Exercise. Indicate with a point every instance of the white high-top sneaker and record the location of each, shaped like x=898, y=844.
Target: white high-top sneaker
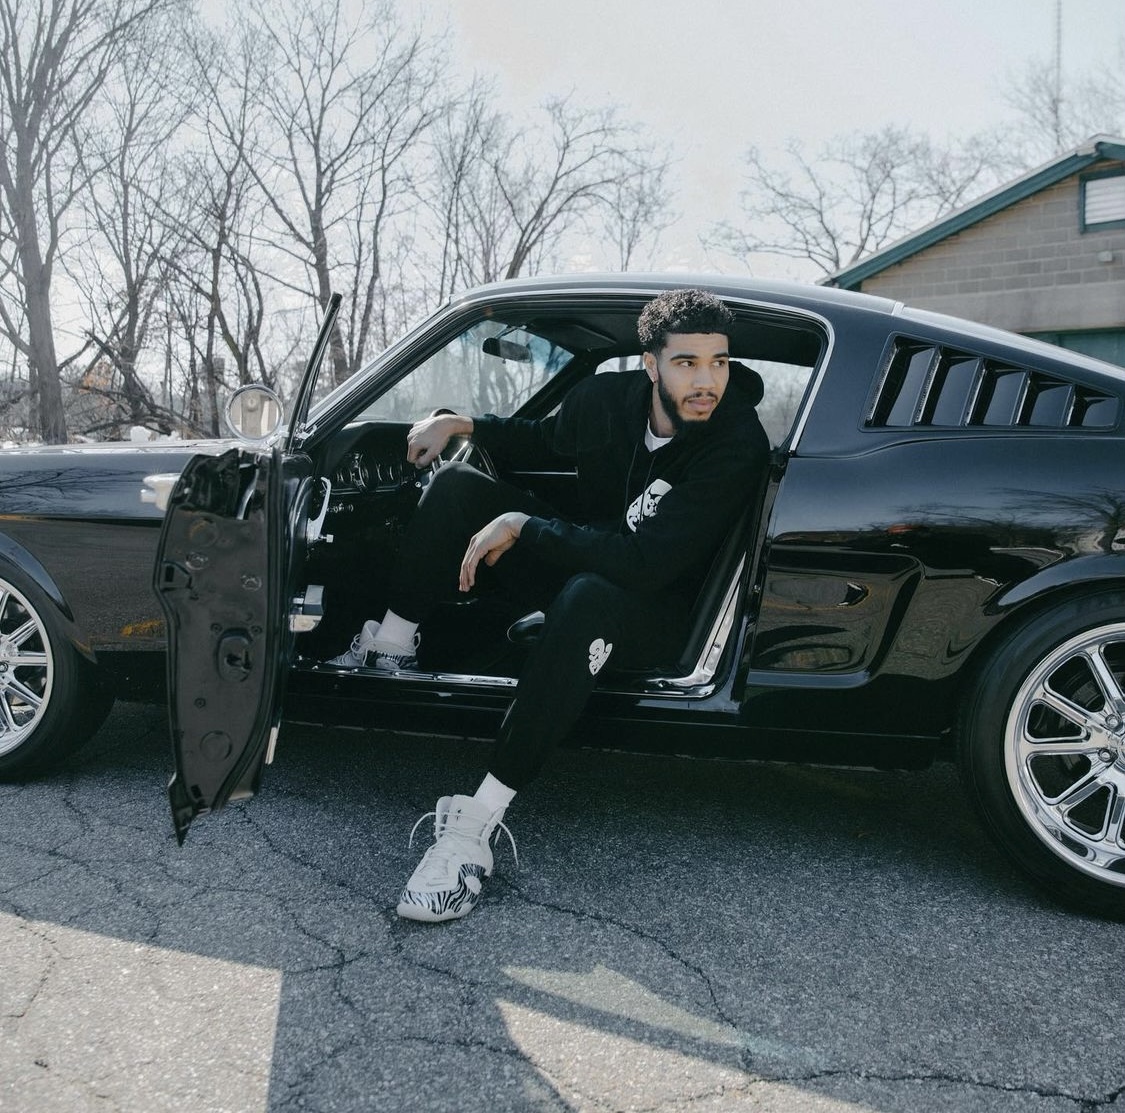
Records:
x=447, y=882
x=356, y=654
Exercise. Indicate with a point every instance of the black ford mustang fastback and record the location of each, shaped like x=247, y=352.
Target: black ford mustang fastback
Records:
x=933, y=566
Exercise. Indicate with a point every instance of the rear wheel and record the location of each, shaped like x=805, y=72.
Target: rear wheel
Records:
x=50, y=702
x=1043, y=750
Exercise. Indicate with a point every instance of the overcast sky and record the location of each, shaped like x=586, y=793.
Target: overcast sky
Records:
x=711, y=77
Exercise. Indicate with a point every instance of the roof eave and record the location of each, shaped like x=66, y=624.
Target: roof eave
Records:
x=1097, y=150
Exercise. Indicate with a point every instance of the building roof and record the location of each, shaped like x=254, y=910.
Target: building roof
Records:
x=1100, y=148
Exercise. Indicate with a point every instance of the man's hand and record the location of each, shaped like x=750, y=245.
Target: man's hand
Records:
x=489, y=544
x=427, y=438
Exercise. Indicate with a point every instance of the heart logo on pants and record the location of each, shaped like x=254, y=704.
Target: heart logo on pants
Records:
x=599, y=654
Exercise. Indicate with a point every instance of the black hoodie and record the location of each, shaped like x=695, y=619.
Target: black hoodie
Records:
x=693, y=487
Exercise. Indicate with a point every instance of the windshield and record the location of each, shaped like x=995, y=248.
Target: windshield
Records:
x=489, y=368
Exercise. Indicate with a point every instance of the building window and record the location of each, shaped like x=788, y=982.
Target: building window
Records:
x=1103, y=200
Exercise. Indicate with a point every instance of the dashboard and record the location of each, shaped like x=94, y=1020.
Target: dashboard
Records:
x=361, y=471
x=368, y=458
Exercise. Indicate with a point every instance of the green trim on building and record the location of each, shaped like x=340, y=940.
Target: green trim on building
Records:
x=1107, y=344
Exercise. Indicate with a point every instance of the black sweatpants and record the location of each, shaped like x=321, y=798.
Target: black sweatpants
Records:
x=590, y=622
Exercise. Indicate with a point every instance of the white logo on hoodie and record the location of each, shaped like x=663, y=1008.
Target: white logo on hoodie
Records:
x=644, y=505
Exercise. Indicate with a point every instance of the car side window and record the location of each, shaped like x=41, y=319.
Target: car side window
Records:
x=927, y=385
x=785, y=385
x=619, y=363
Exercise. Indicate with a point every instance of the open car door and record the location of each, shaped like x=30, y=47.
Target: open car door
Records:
x=231, y=551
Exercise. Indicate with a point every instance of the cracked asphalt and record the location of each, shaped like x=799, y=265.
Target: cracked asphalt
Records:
x=679, y=935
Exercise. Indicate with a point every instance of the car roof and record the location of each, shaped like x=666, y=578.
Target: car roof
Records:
x=974, y=330
x=808, y=297
x=650, y=284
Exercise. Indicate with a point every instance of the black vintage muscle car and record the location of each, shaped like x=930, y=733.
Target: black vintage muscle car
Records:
x=932, y=568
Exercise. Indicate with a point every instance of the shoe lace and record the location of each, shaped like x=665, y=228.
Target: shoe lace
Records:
x=410, y=653
x=451, y=843
x=361, y=643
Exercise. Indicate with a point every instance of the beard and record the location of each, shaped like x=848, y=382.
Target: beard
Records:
x=680, y=424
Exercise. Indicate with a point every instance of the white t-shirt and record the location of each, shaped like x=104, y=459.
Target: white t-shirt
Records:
x=652, y=441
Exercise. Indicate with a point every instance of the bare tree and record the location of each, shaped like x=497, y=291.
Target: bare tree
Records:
x=637, y=210
x=468, y=217
x=1055, y=111
x=859, y=193
x=220, y=299
x=546, y=187
x=863, y=191
x=185, y=311
x=505, y=196
x=348, y=104
x=55, y=58
x=130, y=238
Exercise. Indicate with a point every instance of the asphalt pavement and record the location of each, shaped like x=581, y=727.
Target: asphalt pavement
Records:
x=678, y=936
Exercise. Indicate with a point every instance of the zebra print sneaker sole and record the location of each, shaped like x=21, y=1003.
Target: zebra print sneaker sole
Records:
x=389, y=657
x=433, y=907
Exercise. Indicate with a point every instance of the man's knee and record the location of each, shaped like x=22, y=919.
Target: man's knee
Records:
x=451, y=481
x=583, y=624
x=587, y=594
x=589, y=586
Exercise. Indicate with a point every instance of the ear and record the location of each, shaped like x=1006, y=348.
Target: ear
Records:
x=650, y=365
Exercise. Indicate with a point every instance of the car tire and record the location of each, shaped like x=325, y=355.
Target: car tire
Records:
x=50, y=698
x=1042, y=749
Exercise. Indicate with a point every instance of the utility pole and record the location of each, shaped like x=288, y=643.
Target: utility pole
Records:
x=1056, y=95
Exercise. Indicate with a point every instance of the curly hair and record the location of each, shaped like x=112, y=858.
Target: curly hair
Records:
x=681, y=311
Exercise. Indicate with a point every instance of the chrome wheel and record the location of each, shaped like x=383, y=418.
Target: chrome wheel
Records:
x=1064, y=752
x=27, y=668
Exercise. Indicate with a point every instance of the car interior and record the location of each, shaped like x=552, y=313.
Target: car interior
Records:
x=522, y=363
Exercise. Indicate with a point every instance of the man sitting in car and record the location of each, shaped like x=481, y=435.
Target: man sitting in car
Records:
x=664, y=459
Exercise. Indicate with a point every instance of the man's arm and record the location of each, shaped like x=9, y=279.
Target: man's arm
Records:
x=428, y=437
x=489, y=544
x=690, y=521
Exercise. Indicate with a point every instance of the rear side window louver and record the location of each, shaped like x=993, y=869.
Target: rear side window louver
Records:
x=930, y=385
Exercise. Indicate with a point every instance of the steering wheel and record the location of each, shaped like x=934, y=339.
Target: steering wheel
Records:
x=466, y=452
x=469, y=452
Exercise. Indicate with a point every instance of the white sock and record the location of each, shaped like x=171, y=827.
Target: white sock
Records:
x=494, y=794
x=397, y=630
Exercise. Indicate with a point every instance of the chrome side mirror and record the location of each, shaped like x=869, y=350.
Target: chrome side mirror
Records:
x=254, y=412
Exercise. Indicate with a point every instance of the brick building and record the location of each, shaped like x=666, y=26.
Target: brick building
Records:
x=1043, y=255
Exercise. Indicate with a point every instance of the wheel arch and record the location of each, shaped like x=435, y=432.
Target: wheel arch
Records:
x=1021, y=606
x=14, y=555
x=1090, y=569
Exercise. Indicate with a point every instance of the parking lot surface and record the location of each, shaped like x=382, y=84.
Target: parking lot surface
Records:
x=679, y=935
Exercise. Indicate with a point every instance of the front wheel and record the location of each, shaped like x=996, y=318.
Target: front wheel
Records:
x=1042, y=750
x=49, y=699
